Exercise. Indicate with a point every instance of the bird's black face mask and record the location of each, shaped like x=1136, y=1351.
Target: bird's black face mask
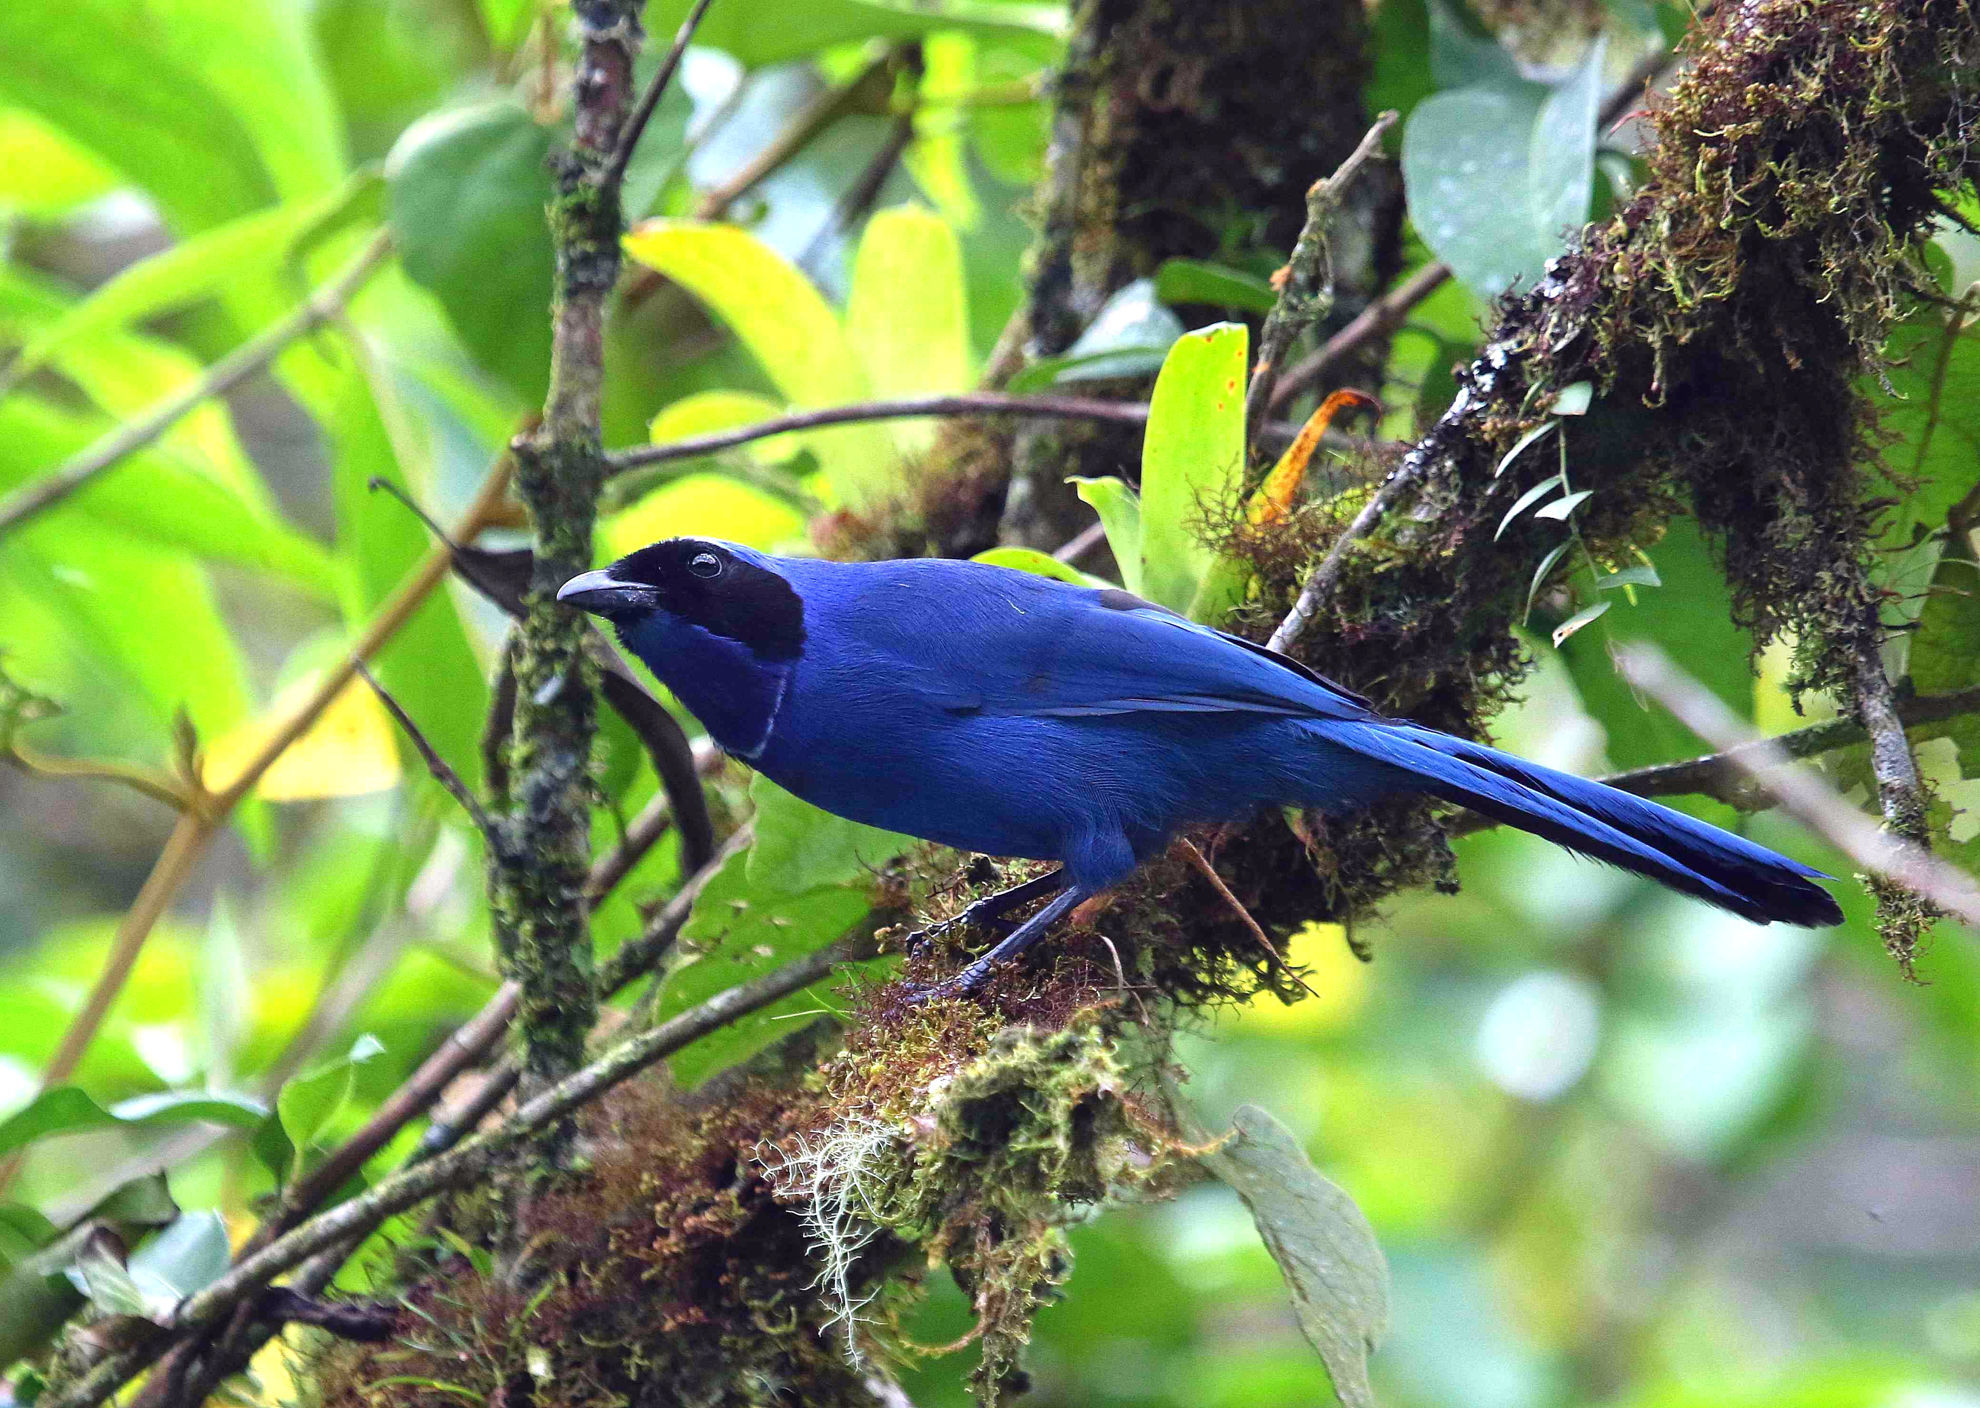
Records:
x=701, y=583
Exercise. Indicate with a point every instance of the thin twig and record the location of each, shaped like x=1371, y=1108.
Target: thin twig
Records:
x=635, y=124
x=1195, y=857
x=865, y=189
x=223, y=376
x=1081, y=543
x=1320, y=585
x=197, y=828
x=1306, y=284
x=804, y=128
x=969, y=403
x=443, y=771
x=1378, y=319
x=1800, y=794
x=459, y=1165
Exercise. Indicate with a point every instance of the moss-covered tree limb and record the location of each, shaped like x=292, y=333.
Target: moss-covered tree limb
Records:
x=1184, y=130
x=536, y=881
x=1729, y=315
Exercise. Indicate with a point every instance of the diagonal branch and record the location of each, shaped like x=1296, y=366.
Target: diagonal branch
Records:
x=460, y=1165
x=628, y=138
x=223, y=376
x=1306, y=284
x=1888, y=855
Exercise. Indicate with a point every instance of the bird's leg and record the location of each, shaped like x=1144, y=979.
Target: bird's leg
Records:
x=983, y=913
x=1019, y=939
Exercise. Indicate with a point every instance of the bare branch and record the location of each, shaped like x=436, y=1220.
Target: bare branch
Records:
x=459, y=1165
x=1378, y=319
x=1306, y=284
x=635, y=124
x=223, y=376
x=442, y=770
x=1805, y=798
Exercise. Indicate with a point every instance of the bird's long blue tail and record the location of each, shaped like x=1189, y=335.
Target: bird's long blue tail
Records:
x=1598, y=821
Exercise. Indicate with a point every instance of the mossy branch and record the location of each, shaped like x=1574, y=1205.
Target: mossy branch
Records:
x=456, y=1168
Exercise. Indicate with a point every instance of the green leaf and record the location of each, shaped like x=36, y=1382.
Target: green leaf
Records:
x=907, y=316
x=1580, y=618
x=468, y=191
x=70, y=1110
x=1520, y=444
x=1042, y=564
x=1128, y=337
x=786, y=325
x=1192, y=458
x=1526, y=501
x=1497, y=175
x=799, y=847
x=133, y=616
x=1325, y=1248
x=738, y=932
x=306, y=1104
x=185, y=273
x=760, y=32
x=1119, y=508
x=1195, y=281
x=215, y=108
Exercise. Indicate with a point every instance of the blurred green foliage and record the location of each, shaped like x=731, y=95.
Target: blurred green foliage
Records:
x=1618, y=1148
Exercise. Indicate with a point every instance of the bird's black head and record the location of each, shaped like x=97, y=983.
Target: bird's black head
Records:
x=725, y=590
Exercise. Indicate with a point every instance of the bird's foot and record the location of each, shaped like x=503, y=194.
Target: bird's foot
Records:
x=980, y=915
x=962, y=984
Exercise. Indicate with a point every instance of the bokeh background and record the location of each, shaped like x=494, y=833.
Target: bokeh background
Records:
x=1618, y=1148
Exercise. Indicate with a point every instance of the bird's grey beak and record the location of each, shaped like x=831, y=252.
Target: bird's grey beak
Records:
x=602, y=593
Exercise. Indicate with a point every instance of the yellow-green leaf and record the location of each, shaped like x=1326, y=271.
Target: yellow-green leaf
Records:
x=1192, y=458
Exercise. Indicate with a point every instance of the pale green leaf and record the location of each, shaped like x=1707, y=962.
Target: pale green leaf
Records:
x=786, y=325
x=799, y=848
x=1521, y=444
x=1337, y=1275
x=1574, y=399
x=70, y=1110
x=1525, y=501
x=1192, y=458
x=1560, y=508
x=1042, y=564
x=907, y=316
x=761, y=297
x=1119, y=508
x=1580, y=618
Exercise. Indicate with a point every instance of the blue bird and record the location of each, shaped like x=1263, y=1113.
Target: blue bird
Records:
x=1014, y=715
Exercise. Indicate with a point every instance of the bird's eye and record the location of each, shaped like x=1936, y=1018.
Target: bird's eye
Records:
x=705, y=564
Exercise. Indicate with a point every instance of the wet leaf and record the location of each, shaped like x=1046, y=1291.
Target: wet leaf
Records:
x=1192, y=458
x=1336, y=1273
x=69, y=1110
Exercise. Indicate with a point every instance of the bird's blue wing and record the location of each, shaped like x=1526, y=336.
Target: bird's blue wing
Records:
x=992, y=641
